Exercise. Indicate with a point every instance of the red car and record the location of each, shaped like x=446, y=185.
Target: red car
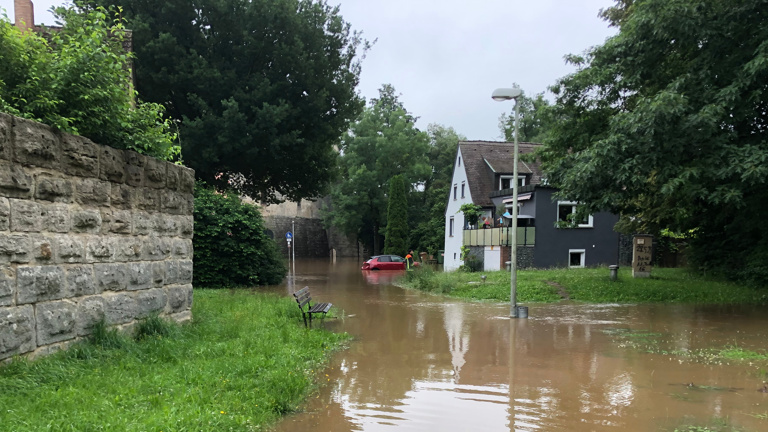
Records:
x=386, y=262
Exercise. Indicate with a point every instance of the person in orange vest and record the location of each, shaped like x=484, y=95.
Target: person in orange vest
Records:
x=409, y=260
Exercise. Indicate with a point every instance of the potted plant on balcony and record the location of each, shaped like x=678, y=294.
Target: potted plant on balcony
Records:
x=471, y=213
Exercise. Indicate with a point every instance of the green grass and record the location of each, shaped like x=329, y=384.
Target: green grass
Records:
x=663, y=344
x=244, y=362
x=591, y=285
x=715, y=425
x=470, y=285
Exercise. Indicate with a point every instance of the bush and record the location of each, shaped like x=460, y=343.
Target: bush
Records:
x=78, y=79
x=231, y=248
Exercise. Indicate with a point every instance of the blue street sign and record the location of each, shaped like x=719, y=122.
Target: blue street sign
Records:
x=289, y=235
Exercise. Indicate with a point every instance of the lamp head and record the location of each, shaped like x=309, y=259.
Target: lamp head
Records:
x=505, y=94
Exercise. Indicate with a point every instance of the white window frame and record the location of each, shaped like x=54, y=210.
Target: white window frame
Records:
x=583, y=253
x=590, y=219
x=463, y=185
x=455, y=188
x=459, y=160
x=450, y=227
x=509, y=177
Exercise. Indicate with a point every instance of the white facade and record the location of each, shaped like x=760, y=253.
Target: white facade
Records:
x=454, y=219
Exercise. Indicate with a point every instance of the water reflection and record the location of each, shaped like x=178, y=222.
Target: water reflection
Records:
x=422, y=362
x=382, y=277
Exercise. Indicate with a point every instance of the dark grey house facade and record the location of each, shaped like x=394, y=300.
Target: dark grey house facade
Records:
x=591, y=243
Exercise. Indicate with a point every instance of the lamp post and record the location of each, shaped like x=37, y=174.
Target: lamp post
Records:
x=499, y=95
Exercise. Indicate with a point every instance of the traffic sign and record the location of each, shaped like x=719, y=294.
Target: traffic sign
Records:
x=289, y=235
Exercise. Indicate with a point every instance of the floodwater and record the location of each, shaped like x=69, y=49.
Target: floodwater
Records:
x=420, y=362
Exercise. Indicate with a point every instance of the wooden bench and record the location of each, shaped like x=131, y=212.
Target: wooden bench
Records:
x=304, y=300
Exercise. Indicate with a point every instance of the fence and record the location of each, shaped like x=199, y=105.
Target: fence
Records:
x=526, y=236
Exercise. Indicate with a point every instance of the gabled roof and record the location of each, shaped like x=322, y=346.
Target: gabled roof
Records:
x=483, y=160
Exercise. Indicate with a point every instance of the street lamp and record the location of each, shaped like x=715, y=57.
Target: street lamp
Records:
x=500, y=95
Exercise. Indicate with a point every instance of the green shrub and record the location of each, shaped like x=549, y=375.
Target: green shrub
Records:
x=78, y=80
x=231, y=248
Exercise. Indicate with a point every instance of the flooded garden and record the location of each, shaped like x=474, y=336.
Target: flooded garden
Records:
x=422, y=362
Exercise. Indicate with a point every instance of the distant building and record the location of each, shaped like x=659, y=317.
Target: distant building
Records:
x=483, y=175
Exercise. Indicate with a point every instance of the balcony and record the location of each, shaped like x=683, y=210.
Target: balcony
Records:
x=526, y=236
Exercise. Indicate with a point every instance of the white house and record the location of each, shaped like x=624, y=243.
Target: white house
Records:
x=454, y=219
x=483, y=175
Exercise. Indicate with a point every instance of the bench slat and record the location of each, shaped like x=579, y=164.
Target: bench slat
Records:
x=303, y=298
x=320, y=307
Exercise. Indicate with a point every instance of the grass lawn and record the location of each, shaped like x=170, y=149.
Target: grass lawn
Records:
x=245, y=361
x=591, y=285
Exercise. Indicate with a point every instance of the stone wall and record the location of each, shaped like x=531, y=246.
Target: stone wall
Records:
x=309, y=236
x=87, y=232
x=525, y=256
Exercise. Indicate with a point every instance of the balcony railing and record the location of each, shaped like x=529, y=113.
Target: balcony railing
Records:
x=526, y=236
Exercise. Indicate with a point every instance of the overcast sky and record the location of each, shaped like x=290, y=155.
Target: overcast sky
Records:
x=445, y=57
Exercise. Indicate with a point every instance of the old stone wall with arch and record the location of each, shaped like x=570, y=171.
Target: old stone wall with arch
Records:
x=87, y=233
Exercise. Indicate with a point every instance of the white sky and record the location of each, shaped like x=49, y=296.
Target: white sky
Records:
x=445, y=57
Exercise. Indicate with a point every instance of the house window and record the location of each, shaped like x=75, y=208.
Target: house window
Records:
x=576, y=258
x=505, y=181
x=459, y=160
x=462, y=189
x=450, y=227
x=567, y=208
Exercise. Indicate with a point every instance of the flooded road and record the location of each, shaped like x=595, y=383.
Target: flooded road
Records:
x=421, y=363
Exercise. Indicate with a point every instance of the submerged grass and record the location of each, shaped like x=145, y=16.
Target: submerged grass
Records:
x=657, y=343
x=591, y=285
x=245, y=361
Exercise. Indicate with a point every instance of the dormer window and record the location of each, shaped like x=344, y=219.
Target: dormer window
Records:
x=505, y=181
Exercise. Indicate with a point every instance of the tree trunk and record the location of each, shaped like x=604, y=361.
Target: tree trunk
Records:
x=376, y=246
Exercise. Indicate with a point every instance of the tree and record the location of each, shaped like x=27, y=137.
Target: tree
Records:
x=77, y=79
x=533, y=120
x=383, y=143
x=667, y=124
x=427, y=207
x=264, y=88
x=231, y=248
x=396, y=240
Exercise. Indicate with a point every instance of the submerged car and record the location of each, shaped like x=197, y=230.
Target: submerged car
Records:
x=386, y=262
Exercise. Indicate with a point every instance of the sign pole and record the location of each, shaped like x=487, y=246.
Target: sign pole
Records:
x=293, y=230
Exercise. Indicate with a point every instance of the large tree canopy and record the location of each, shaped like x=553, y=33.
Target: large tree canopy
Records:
x=533, y=121
x=382, y=144
x=427, y=207
x=264, y=88
x=667, y=124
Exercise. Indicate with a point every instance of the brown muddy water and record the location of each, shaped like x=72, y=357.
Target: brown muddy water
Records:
x=420, y=362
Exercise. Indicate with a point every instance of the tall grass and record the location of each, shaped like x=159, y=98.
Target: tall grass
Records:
x=245, y=361
x=591, y=285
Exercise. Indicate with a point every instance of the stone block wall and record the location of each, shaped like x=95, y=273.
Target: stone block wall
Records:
x=310, y=238
x=525, y=256
x=87, y=232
